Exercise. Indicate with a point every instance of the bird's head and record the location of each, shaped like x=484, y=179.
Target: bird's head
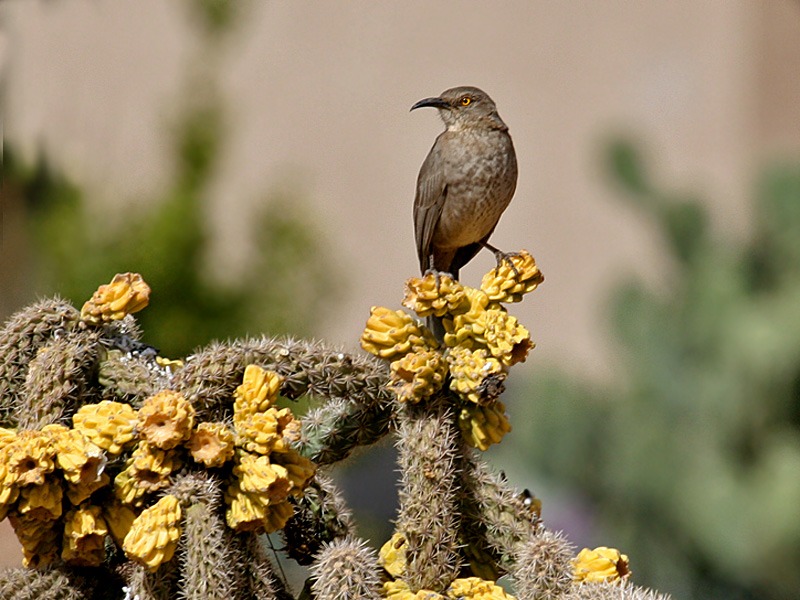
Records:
x=465, y=107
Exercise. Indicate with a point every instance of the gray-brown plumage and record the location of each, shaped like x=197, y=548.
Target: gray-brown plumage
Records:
x=465, y=183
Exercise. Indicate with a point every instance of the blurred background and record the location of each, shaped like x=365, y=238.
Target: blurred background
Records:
x=256, y=162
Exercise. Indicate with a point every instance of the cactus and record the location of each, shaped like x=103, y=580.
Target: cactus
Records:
x=170, y=486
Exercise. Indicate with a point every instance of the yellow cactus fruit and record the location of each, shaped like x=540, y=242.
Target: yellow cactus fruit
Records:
x=476, y=588
x=85, y=530
x=82, y=491
x=418, y=375
x=28, y=459
x=154, y=534
x=211, y=444
x=514, y=277
x=476, y=375
x=126, y=490
x=483, y=426
x=40, y=540
x=151, y=467
x=599, y=565
x=246, y=512
x=257, y=393
x=41, y=502
x=258, y=476
x=506, y=338
x=399, y=590
x=127, y=293
x=434, y=294
x=271, y=431
x=277, y=516
x=299, y=469
x=6, y=436
x=81, y=460
x=119, y=517
x=392, y=555
x=166, y=419
x=391, y=334
x=108, y=424
x=465, y=327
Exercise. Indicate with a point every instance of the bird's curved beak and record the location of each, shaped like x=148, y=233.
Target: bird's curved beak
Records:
x=434, y=102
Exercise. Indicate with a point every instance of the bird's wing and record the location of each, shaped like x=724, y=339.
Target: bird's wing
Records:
x=429, y=201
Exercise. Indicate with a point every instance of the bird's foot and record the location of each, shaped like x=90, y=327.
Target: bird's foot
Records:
x=438, y=276
x=502, y=257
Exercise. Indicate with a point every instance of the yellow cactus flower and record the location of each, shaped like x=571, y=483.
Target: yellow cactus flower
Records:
x=492, y=327
x=28, y=459
x=257, y=393
x=399, y=590
x=418, y=375
x=40, y=540
x=271, y=431
x=299, y=469
x=391, y=334
x=166, y=419
x=41, y=502
x=81, y=461
x=82, y=491
x=476, y=588
x=258, y=476
x=483, y=426
x=126, y=489
x=508, y=282
x=476, y=375
x=109, y=425
x=435, y=294
x=119, y=517
x=392, y=555
x=9, y=490
x=154, y=534
x=601, y=564
x=127, y=293
x=85, y=530
x=211, y=444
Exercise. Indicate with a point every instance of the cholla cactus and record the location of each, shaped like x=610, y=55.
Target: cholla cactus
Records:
x=172, y=470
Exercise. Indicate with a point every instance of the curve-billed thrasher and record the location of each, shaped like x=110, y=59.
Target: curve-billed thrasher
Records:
x=465, y=183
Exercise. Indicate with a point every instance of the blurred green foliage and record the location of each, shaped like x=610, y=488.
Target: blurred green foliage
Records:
x=290, y=285
x=692, y=461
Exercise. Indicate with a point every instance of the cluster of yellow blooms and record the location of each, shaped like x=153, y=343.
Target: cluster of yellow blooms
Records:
x=481, y=342
x=38, y=469
x=127, y=293
x=393, y=560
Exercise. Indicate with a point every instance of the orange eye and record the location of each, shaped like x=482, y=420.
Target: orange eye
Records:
x=465, y=101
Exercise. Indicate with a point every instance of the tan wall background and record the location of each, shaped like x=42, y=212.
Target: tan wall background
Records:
x=317, y=96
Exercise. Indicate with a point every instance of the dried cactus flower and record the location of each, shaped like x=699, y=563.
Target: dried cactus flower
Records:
x=151, y=467
x=483, y=426
x=211, y=444
x=514, y=277
x=600, y=564
x=391, y=334
x=299, y=469
x=392, y=555
x=119, y=517
x=418, y=375
x=166, y=419
x=85, y=530
x=154, y=534
x=41, y=502
x=81, y=460
x=257, y=393
x=271, y=431
x=476, y=375
x=28, y=459
x=39, y=539
x=108, y=424
x=435, y=294
x=476, y=589
x=127, y=293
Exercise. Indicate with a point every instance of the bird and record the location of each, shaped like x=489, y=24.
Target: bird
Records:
x=465, y=183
